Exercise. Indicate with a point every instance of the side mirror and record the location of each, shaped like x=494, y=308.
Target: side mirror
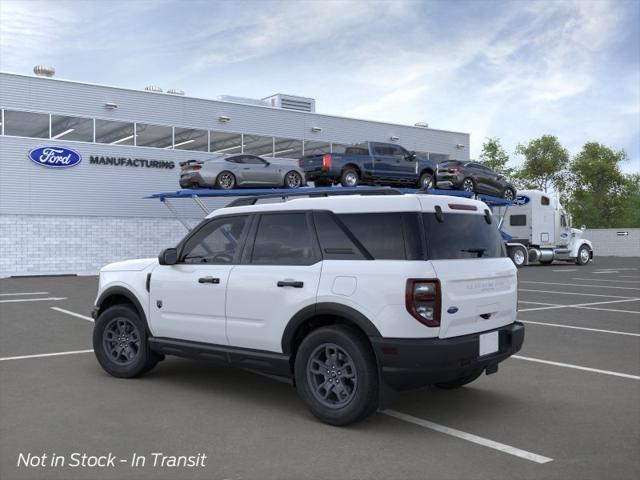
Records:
x=169, y=256
x=583, y=227
x=266, y=164
x=411, y=156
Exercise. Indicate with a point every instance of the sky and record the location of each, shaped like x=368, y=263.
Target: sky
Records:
x=509, y=69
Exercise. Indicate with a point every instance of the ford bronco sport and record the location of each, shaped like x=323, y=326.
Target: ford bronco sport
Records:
x=350, y=296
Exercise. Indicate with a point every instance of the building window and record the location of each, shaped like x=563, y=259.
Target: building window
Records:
x=191, y=139
x=316, y=148
x=258, y=145
x=115, y=133
x=226, y=143
x=287, y=148
x=26, y=124
x=71, y=128
x=157, y=136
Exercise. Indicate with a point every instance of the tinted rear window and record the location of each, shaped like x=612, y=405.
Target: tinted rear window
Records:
x=461, y=235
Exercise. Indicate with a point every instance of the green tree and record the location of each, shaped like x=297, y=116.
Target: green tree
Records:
x=545, y=164
x=599, y=194
x=495, y=157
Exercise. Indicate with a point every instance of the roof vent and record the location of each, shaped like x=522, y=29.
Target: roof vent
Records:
x=44, y=71
x=153, y=88
x=421, y=125
x=292, y=102
x=175, y=91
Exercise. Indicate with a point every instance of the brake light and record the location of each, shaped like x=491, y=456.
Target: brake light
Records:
x=195, y=167
x=422, y=299
x=459, y=206
x=326, y=161
x=299, y=163
x=454, y=170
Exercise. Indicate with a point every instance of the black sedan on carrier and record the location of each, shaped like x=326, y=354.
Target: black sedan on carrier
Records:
x=473, y=177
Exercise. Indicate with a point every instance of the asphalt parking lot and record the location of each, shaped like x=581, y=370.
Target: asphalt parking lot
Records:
x=568, y=406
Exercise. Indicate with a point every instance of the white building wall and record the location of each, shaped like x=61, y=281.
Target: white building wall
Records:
x=613, y=242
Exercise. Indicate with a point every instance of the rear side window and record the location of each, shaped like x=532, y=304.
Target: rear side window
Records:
x=283, y=239
x=380, y=233
x=336, y=241
x=518, y=220
x=461, y=235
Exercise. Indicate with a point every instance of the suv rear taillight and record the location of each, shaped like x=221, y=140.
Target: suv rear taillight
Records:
x=299, y=162
x=197, y=166
x=422, y=298
x=326, y=161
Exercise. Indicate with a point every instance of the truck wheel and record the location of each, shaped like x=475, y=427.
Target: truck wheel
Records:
x=336, y=375
x=120, y=343
x=349, y=178
x=459, y=382
x=426, y=181
x=468, y=185
x=584, y=255
x=518, y=256
x=226, y=180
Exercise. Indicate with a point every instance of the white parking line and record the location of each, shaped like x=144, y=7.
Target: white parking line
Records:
x=580, y=285
x=578, y=367
x=566, y=270
x=40, y=355
x=606, y=271
x=47, y=299
x=551, y=306
x=607, y=280
x=610, y=310
x=629, y=276
x=73, y=314
x=23, y=293
x=575, y=293
x=598, y=330
x=485, y=442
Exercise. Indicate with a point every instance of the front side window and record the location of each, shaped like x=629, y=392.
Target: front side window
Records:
x=461, y=235
x=215, y=243
x=283, y=239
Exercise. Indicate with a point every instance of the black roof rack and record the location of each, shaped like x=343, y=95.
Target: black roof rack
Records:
x=333, y=192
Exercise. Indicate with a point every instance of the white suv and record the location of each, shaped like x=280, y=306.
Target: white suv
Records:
x=350, y=296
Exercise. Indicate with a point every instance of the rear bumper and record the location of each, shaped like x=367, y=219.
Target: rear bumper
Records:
x=188, y=180
x=407, y=363
x=448, y=181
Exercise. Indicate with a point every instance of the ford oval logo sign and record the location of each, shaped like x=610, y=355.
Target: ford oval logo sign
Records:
x=55, y=157
x=521, y=200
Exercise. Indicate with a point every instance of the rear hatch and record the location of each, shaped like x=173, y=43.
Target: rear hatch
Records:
x=478, y=283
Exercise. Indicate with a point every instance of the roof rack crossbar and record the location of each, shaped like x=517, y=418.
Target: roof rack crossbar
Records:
x=325, y=193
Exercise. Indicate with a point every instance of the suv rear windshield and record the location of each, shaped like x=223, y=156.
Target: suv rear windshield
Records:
x=461, y=235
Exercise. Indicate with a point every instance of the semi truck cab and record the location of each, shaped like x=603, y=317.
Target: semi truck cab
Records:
x=539, y=229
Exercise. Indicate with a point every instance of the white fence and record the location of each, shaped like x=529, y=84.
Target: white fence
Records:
x=615, y=242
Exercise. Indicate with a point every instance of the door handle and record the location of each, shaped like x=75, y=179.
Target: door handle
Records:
x=215, y=281
x=290, y=283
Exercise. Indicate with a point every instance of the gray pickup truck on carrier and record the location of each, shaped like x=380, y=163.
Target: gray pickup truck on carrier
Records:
x=370, y=163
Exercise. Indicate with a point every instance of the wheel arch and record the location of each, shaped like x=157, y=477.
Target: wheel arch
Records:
x=118, y=295
x=322, y=314
x=356, y=167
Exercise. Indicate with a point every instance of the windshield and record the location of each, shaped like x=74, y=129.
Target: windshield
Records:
x=462, y=235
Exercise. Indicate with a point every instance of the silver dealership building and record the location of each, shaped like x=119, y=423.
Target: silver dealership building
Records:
x=86, y=207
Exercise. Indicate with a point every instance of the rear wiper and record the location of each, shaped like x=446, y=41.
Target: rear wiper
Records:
x=479, y=251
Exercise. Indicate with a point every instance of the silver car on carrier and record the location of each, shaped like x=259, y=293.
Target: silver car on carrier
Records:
x=243, y=170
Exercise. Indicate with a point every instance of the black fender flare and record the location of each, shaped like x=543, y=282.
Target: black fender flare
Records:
x=326, y=308
x=124, y=292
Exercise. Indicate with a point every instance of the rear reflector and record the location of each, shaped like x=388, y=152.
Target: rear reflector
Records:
x=459, y=206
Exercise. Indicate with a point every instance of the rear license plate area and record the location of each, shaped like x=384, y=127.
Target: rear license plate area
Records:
x=489, y=343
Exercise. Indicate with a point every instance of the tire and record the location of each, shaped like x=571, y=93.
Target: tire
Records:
x=133, y=360
x=509, y=194
x=225, y=180
x=349, y=178
x=459, y=382
x=322, y=182
x=468, y=185
x=357, y=397
x=292, y=180
x=584, y=255
x=518, y=256
x=427, y=181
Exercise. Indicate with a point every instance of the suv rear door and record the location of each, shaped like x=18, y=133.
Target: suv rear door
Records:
x=278, y=277
x=478, y=283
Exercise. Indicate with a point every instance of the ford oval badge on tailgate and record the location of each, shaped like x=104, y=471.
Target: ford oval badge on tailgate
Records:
x=55, y=157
